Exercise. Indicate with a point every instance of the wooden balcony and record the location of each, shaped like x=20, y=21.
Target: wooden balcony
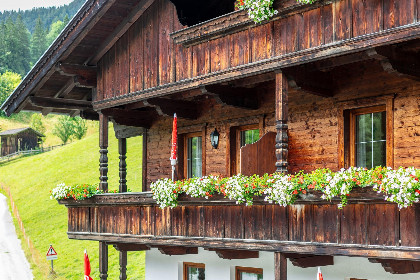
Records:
x=368, y=226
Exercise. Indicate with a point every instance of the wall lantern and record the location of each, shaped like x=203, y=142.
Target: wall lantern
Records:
x=214, y=138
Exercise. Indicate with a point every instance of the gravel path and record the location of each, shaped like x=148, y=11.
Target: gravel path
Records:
x=13, y=264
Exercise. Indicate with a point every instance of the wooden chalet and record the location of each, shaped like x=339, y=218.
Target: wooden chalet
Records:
x=19, y=139
x=306, y=79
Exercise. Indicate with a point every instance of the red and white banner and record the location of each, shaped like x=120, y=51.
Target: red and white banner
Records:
x=87, y=267
x=319, y=275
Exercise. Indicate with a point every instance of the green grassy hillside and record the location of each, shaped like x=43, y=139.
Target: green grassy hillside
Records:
x=30, y=180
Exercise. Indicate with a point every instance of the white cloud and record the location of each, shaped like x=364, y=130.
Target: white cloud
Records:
x=6, y=5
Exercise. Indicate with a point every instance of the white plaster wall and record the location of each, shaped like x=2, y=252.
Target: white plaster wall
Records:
x=162, y=267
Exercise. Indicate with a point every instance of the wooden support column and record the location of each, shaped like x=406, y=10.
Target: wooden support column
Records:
x=123, y=265
x=122, y=149
x=280, y=266
x=103, y=150
x=282, y=139
x=144, y=163
x=103, y=261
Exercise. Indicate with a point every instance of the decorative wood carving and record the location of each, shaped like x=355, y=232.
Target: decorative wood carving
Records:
x=398, y=266
x=282, y=115
x=60, y=103
x=122, y=149
x=103, y=150
x=174, y=250
x=129, y=247
x=235, y=254
x=167, y=107
x=304, y=261
x=240, y=97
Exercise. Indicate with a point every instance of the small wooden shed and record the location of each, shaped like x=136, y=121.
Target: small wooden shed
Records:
x=19, y=139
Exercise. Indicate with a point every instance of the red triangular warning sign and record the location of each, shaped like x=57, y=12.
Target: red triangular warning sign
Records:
x=51, y=251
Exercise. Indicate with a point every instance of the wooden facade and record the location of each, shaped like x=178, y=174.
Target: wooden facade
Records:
x=20, y=139
x=299, y=77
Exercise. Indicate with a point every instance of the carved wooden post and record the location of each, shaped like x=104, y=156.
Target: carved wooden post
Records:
x=103, y=261
x=144, y=171
x=282, y=138
x=122, y=149
x=103, y=150
x=280, y=266
x=123, y=265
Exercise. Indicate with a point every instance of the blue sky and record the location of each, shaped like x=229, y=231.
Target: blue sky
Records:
x=29, y=4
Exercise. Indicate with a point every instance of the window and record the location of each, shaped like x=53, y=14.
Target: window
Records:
x=194, y=271
x=368, y=137
x=248, y=273
x=193, y=155
x=248, y=136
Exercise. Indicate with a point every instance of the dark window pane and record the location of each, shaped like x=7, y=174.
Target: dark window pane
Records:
x=370, y=140
x=251, y=276
x=196, y=273
x=379, y=154
x=194, y=161
x=379, y=126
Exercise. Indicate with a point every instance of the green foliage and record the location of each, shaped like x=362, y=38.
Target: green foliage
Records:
x=8, y=82
x=55, y=30
x=80, y=127
x=48, y=14
x=64, y=128
x=38, y=41
x=37, y=124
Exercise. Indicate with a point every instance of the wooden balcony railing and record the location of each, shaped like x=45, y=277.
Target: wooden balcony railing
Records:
x=368, y=226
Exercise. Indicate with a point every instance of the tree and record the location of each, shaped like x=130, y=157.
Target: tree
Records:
x=80, y=127
x=37, y=124
x=38, y=42
x=64, y=128
x=55, y=30
x=8, y=82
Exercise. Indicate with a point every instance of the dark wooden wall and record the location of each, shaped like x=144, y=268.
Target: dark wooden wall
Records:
x=146, y=57
x=364, y=224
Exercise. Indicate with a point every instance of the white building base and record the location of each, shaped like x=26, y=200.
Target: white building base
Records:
x=163, y=267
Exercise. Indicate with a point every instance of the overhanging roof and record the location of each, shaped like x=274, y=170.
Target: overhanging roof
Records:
x=18, y=131
x=65, y=72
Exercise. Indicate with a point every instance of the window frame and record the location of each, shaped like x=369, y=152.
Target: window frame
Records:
x=386, y=103
x=239, y=269
x=186, y=265
x=184, y=148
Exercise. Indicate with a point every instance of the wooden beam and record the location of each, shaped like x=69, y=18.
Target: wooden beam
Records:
x=103, y=151
x=130, y=247
x=175, y=251
x=87, y=72
x=80, y=81
x=167, y=107
x=331, y=63
x=103, y=261
x=131, y=117
x=240, y=97
x=120, y=30
x=280, y=266
x=282, y=117
x=66, y=89
x=304, y=261
x=398, y=266
x=60, y=103
x=123, y=265
x=123, y=131
x=235, y=254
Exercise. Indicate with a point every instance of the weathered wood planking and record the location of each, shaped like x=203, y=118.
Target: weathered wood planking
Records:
x=153, y=59
x=357, y=224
